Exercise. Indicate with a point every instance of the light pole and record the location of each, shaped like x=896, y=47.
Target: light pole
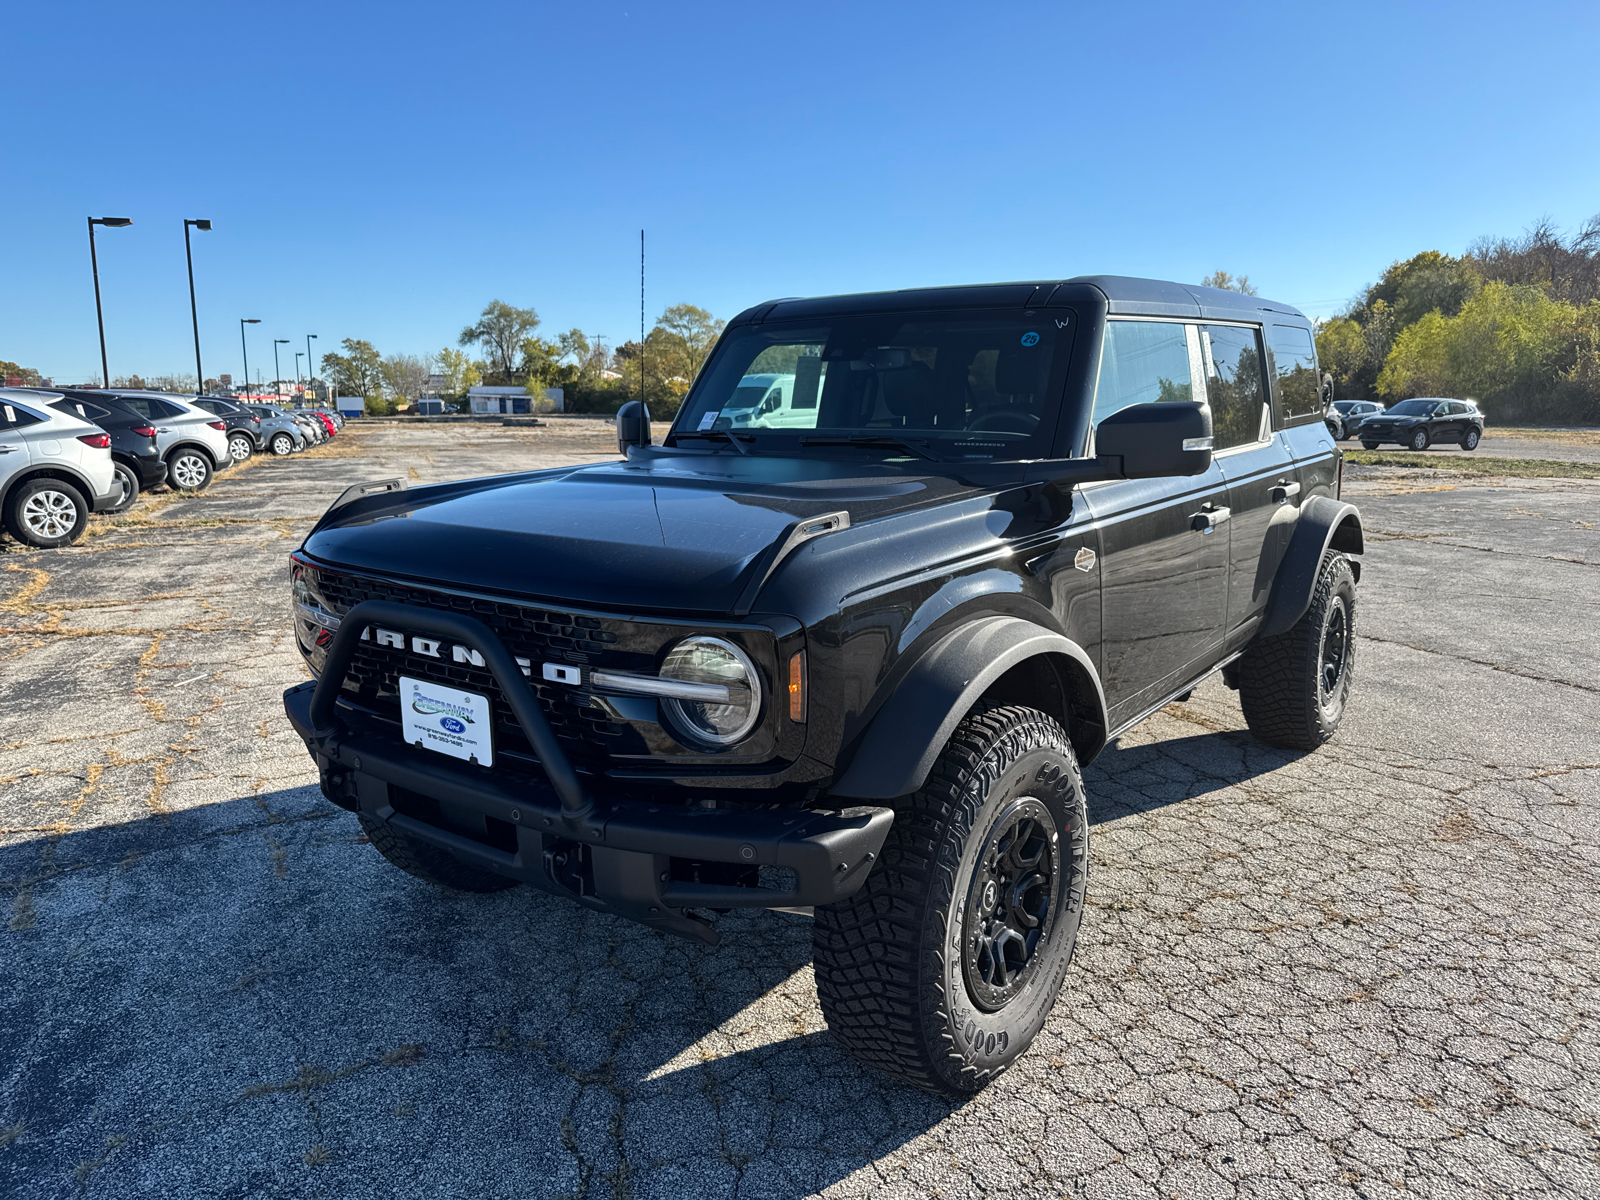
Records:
x=311, y=370
x=243, y=321
x=277, y=371
x=297, y=382
x=194, y=313
x=94, y=263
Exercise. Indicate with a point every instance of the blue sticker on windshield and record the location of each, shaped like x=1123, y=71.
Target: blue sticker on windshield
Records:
x=1030, y=339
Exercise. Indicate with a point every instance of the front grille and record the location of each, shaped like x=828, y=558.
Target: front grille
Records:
x=585, y=732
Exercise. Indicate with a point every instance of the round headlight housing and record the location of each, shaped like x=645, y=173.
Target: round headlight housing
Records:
x=712, y=660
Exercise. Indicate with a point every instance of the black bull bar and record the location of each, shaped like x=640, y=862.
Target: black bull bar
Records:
x=611, y=854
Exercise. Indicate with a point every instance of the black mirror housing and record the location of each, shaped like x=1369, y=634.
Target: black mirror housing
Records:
x=633, y=426
x=1162, y=438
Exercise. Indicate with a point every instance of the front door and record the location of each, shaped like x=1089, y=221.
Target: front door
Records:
x=13, y=450
x=1164, y=542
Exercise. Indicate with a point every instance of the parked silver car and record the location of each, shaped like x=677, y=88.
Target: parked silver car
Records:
x=281, y=432
x=55, y=469
x=193, y=442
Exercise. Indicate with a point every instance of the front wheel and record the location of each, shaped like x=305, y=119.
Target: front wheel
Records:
x=46, y=513
x=945, y=965
x=1469, y=440
x=189, y=471
x=1369, y=445
x=1293, y=687
x=1419, y=440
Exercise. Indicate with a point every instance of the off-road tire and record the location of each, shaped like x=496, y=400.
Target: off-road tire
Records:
x=128, y=478
x=430, y=863
x=46, y=513
x=1469, y=439
x=1369, y=445
x=1283, y=690
x=1419, y=440
x=891, y=964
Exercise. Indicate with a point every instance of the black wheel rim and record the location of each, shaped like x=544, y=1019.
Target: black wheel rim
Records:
x=1335, y=655
x=1011, y=903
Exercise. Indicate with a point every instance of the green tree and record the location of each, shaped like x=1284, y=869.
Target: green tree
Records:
x=460, y=371
x=1342, y=351
x=357, y=372
x=26, y=376
x=1221, y=279
x=688, y=333
x=501, y=330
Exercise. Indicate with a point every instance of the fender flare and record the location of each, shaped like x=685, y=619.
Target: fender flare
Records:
x=190, y=445
x=1323, y=524
x=905, y=738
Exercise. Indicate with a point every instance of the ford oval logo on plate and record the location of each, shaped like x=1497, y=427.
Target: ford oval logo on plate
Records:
x=452, y=725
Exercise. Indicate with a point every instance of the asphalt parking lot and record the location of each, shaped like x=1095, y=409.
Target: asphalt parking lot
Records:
x=1371, y=968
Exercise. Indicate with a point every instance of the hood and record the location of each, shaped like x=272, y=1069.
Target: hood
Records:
x=660, y=532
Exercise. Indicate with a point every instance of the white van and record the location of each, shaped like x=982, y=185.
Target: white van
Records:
x=767, y=402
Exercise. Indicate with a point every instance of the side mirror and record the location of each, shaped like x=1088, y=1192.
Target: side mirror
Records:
x=1158, y=439
x=633, y=426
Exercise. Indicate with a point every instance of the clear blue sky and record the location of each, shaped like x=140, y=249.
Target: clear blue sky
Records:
x=382, y=171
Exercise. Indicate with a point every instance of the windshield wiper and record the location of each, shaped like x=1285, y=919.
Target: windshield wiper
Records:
x=732, y=440
x=874, y=439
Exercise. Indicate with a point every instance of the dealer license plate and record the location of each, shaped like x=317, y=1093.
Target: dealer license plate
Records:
x=443, y=719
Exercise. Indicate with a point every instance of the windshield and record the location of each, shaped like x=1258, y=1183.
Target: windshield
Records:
x=963, y=385
x=1412, y=408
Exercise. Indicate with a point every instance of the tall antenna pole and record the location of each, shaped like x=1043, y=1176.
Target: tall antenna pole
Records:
x=640, y=314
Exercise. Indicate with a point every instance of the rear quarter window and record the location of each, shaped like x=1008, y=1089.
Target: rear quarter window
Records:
x=1296, y=387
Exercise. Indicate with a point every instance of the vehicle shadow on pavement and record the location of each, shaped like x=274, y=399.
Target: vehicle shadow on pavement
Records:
x=232, y=996
x=252, y=975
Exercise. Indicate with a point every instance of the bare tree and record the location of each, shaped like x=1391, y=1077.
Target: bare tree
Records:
x=1221, y=279
x=406, y=375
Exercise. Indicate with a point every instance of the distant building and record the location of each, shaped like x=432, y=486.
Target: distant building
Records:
x=510, y=400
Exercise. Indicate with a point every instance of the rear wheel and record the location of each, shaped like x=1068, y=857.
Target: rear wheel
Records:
x=1293, y=687
x=282, y=445
x=189, y=471
x=240, y=447
x=128, y=488
x=1469, y=440
x=46, y=513
x=945, y=965
x=427, y=862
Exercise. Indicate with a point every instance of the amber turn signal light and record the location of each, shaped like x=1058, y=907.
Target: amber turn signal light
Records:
x=797, y=686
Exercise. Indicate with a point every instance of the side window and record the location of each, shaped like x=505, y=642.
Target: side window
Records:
x=1234, y=384
x=1296, y=397
x=12, y=417
x=139, y=405
x=162, y=410
x=1142, y=361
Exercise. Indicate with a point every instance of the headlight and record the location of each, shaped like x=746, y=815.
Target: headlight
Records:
x=713, y=660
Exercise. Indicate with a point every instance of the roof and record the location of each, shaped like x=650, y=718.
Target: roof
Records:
x=1121, y=293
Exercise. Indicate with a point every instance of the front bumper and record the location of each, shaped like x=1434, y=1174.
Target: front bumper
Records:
x=649, y=862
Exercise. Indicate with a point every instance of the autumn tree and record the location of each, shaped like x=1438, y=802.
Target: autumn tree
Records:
x=356, y=372
x=500, y=331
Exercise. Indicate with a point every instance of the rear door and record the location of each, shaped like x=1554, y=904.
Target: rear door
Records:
x=13, y=450
x=1164, y=542
x=1263, y=483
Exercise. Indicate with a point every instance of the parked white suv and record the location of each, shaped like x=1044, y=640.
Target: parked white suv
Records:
x=55, y=469
x=193, y=442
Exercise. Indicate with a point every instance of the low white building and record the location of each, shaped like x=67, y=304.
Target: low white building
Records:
x=512, y=400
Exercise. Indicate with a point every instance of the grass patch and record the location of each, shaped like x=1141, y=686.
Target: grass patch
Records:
x=1522, y=468
x=1566, y=437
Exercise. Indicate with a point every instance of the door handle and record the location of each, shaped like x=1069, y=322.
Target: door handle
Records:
x=1284, y=490
x=163, y=429
x=9, y=449
x=1209, y=517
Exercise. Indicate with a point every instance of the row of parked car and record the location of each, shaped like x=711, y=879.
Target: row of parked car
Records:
x=1416, y=424
x=68, y=452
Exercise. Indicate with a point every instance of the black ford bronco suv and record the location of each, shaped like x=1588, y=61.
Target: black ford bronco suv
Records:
x=904, y=563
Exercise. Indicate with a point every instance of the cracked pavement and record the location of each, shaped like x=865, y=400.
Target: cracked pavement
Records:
x=1339, y=974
